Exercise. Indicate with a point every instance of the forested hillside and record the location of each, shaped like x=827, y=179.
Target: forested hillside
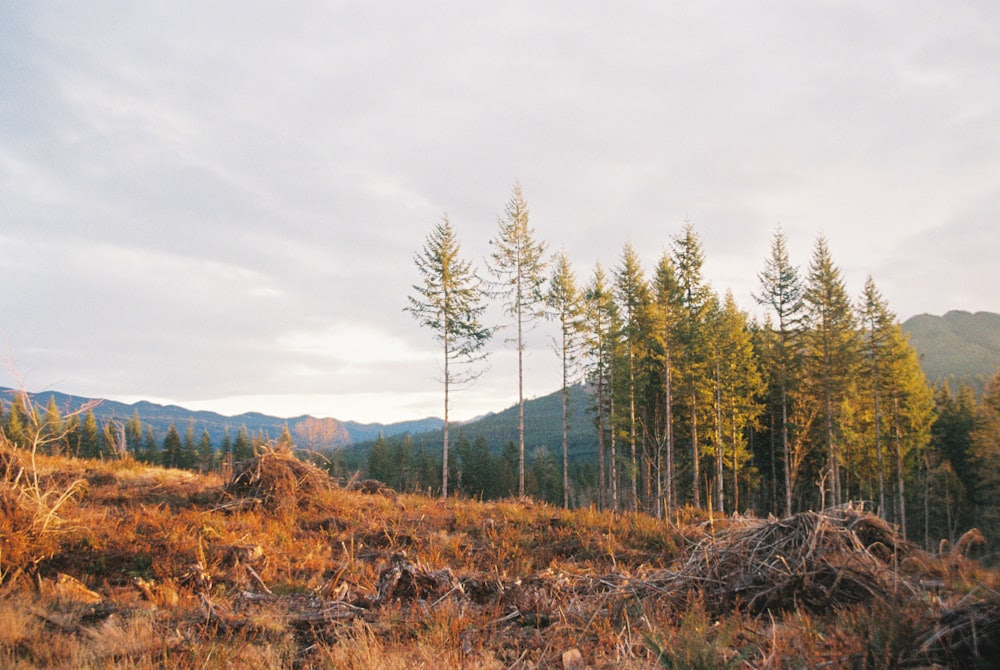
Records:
x=959, y=347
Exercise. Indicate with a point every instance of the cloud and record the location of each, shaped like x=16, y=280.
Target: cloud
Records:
x=218, y=201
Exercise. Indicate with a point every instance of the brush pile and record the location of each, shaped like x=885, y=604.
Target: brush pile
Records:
x=965, y=636
x=812, y=561
x=279, y=482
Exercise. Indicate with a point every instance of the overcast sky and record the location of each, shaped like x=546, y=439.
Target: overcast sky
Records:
x=217, y=204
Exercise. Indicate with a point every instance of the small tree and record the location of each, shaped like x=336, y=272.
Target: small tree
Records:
x=450, y=301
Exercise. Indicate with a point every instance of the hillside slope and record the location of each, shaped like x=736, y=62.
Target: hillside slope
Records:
x=957, y=347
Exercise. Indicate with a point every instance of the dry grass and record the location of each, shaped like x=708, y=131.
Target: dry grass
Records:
x=112, y=564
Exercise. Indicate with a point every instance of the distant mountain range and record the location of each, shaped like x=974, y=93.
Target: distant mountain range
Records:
x=308, y=431
x=959, y=347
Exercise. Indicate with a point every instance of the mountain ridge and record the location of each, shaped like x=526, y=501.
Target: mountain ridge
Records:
x=314, y=432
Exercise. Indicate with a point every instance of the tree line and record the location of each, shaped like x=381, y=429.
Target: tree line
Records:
x=695, y=403
x=80, y=434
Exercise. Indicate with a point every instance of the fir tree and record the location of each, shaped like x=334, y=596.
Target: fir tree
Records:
x=172, y=451
x=600, y=335
x=694, y=374
x=781, y=290
x=518, y=267
x=565, y=303
x=634, y=304
x=832, y=350
x=668, y=310
x=449, y=301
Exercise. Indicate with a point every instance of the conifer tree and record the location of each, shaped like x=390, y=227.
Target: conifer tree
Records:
x=149, y=448
x=877, y=322
x=832, y=350
x=90, y=436
x=133, y=433
x=449, y=300
x=667, y=297
x=242, y=446
x=54, y=428
x=565, y=302
x=172, y=448
x=599, y=339
x=781, y=290
x=694, y=375
x=634, y=303
x=206, y=454
x=517, y=264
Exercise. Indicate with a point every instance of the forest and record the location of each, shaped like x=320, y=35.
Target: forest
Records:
x=694, y=403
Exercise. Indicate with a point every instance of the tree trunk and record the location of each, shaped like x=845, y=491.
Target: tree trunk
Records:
x=565, y=432
x=899, y=467
x=444, y=450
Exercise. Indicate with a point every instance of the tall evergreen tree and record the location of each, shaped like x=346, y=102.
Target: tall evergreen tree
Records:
x=449, y=301
x=566, y=305
x=668, y=310
x=695, y=379
x=832, y=350
x=634, y=304
x=781, y=290
x=518, y=267
x=600, y=336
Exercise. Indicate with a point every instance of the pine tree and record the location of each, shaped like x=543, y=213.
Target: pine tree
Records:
x=832, y=351
x=600, y=336
x=242, y=446
x=668, y=310
x=172, y=448
x=695, y=380
x=149, y=449
x=878, y=322
x=450, y=302
x=55, y=433
x=206, y=454
x=518, y=267
x=565, y=302
x=634, y=304
x=133, y=433
x=90, y=437
x=781, y=289
x=189, y=451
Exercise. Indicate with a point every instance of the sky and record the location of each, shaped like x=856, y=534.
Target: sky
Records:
x=217, y=204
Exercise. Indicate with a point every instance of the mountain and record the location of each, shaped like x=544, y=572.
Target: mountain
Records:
x=542, y=427
x=308, y=431
x=957, y=347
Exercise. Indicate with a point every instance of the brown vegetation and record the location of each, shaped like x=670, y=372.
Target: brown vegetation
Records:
x=121, y=565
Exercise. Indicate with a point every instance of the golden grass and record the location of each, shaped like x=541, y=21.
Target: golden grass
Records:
x=114, y=564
